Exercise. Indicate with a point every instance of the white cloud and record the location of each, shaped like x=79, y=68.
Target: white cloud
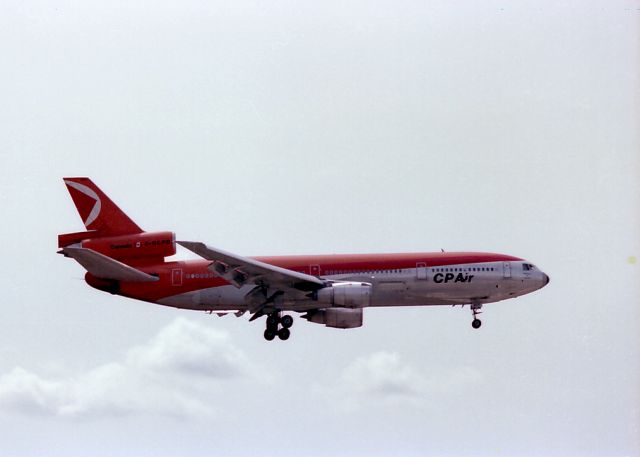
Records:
x=168, y=375
x=382, y=374
x=385, y=379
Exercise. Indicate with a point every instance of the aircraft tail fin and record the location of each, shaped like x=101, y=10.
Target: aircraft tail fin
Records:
x=99, y=214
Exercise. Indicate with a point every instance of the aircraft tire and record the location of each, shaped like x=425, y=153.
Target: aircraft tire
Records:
x=269, y=334
x=272, y=321
x=284, y=334
x=286, y=321
x=476, y=323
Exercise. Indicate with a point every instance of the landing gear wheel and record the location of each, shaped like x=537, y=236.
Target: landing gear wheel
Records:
x=284, y=334
x=475, y=310
x=278, y=325
x=273, y=320
x=286, y=321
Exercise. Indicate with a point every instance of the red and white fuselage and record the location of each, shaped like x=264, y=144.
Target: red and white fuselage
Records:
x=330, y=289
x=439, y=278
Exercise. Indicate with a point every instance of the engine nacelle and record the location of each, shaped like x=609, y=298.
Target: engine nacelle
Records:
x=346, y=294
x=141, y=245
x=336, y=317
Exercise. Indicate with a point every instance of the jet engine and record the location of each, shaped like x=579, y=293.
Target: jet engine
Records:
x=346, y=294
x=141, y=245
x=336, y=317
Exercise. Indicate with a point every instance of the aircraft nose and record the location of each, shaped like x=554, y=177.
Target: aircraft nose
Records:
x=546, y=278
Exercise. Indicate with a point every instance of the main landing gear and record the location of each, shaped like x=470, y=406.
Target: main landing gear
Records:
x=278, y=325
x=475, y=310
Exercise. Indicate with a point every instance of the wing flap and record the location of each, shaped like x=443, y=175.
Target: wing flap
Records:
x=240, y=270
x=105, y=267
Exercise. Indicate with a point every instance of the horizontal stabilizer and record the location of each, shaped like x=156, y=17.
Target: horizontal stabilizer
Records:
x=105, y=267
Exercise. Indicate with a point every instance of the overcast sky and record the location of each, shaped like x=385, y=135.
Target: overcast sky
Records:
x=288, y=127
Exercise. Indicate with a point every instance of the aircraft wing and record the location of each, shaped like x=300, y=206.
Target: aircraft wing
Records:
x=105, y=267
x=240, y=270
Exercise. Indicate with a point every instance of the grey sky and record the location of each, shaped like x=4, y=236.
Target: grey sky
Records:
x=320, y=127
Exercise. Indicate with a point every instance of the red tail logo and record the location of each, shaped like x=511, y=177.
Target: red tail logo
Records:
x=97, y=210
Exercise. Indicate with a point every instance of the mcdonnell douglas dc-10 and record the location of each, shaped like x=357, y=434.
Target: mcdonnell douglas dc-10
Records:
x=333, y=290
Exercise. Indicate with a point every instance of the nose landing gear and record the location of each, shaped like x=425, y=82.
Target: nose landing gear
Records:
x=279, y=326
x=475, y=310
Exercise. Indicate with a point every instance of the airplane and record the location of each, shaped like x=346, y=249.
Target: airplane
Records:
x=122, y=259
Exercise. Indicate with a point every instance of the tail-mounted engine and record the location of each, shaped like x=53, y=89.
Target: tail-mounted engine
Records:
x=128, y=247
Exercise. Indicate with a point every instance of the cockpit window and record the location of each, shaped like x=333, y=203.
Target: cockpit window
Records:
x=527, y=267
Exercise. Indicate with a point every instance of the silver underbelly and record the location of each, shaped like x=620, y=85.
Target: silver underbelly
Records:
x=386, y=292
